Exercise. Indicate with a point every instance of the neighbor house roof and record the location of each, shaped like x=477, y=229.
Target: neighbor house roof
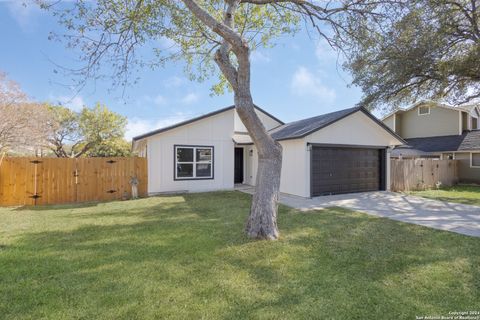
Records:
x=469, y=140
x=210, y=114
x=408, y=151
x=302, y=128
x=467, y=108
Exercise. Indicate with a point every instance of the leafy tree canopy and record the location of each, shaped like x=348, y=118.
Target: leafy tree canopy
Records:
x=94, y=132
x=430, y=50
x=120, y=33
x=117, y=147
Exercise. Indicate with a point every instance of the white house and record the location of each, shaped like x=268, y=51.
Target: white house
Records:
x=339, y=152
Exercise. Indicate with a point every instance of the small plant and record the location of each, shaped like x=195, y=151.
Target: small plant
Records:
x=438, y=185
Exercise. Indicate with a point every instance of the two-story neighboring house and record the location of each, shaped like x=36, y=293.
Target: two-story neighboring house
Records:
x=434, y=130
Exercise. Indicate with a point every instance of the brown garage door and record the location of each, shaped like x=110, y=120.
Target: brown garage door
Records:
x=344, y=170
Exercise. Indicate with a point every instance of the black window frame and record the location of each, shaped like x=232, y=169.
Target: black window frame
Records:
x=194, y=162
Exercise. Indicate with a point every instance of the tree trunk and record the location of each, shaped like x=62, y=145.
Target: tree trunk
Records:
x=262, y=222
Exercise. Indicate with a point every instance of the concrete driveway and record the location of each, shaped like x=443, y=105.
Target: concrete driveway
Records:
x=455, y=217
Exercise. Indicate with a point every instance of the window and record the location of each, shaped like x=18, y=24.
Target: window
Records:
x=474, y=123
x=423, y=110
x=193, y=162
x=475, y=160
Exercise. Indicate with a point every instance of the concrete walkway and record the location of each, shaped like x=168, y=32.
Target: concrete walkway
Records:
x=455, y=217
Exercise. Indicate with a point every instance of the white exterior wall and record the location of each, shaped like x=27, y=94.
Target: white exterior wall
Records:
x=251, y=161
x=217, y=131
x=267, y=121
x=213, y=131
x=357, y=129
x=295, y=168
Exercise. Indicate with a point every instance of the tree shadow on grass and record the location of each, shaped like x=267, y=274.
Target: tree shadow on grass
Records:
x=57, y=206
x=465, y=194
x=349, y=265
x=187, y=257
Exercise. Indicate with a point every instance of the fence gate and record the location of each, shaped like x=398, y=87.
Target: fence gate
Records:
x=420, y=174
x=37, y=181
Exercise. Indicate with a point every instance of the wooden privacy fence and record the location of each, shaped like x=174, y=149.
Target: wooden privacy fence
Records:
x=36, y=181
x=420, y=174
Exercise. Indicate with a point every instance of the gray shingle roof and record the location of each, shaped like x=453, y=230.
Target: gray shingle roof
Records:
x=469, y=140
x=408, y=151
x=301, y=128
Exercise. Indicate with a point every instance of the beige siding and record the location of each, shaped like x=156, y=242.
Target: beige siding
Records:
x=390, y=122
x=440, y=122
x=398, y=123
x=465, y=172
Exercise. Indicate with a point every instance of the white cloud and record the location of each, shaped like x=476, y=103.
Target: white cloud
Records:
x=22, y=12
x=190, y=98
x=258, y=56
x=305, y=83
x=75, y=103
x=159, y=100
x=295, y=46
x=173, y=82
x=137, y=126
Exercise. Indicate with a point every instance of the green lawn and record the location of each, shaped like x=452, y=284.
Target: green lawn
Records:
x=461, y=194
x=185, y=257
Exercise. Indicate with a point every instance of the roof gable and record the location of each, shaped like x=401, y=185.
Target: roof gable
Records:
x=207, y=115
x=432, y=104
x=302, y=128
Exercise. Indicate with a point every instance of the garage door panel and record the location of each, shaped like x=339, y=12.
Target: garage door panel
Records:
x=343, y=170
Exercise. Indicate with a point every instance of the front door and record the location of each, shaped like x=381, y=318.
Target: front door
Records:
x=238, y=165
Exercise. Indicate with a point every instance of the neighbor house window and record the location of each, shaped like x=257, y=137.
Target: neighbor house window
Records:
x=423, y=110
x=474, y=123
x=193, y=162
x=475, y=160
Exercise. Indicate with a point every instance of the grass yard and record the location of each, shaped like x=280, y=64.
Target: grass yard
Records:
x=185, y=257
x=461, y=194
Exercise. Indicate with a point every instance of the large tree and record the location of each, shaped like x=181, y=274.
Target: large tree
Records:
x=431, y=50
x=93, y=132
x=204, y=33
x=22, y=123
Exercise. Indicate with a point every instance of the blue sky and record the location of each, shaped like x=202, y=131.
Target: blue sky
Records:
x=298, y=78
